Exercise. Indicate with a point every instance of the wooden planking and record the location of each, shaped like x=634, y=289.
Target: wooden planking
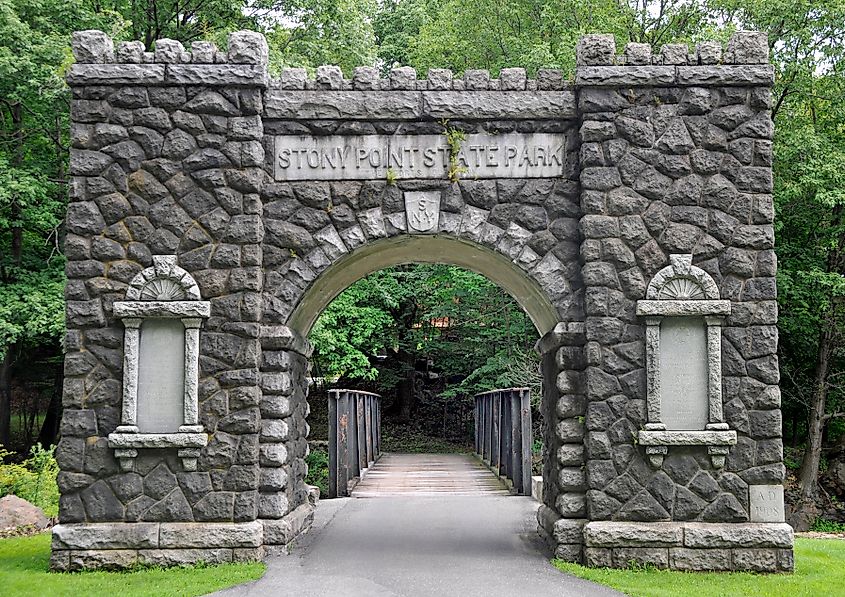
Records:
x=425, y=475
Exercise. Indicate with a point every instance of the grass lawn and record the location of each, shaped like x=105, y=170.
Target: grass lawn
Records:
x=819, y=571
x=24, y=562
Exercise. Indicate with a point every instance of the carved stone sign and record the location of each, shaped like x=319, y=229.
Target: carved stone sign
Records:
x=683, y=373
x=362, y=157
x=766, y=503
x=422, y=208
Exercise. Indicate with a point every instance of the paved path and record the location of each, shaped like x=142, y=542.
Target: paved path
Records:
x=420, y=546
x=428, y=475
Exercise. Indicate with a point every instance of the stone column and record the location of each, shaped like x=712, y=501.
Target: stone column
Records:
x=676, y=157
x=286, y=504
x=166, y=159
x=562, y=515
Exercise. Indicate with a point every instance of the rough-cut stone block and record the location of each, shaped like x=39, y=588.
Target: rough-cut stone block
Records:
x=633, y=534
x=183, y=557
x=293, y=78
x=747, y=47
x=569, y=530
x=708, y=52
x=569, y=552
x=595, y=50
x=202, y=52
x=181, y=535
x=755, y=560
x=92, y=47
x=365, y=78
x=130, y=52
x=625, y=76
x=637, y=54
x=626, y=557
x=217, y=74
x=439, y=78
x=499, y=104
x=726, y=75
x=512, y=79
x=392, y=105
x=168, y=51
x=247, y=47
x=106, y=535
x=109, y=559
x=598, y=557
x=403, y=77
x=329, y=77
x=711, y=535
x=682, y=558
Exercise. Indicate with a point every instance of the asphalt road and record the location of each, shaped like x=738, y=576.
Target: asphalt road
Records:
x=420, y=546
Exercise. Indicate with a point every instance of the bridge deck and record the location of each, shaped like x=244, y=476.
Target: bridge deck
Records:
x=427, y=475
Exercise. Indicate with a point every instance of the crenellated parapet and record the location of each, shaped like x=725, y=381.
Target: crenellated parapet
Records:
x=743, y=62
x=99, y=62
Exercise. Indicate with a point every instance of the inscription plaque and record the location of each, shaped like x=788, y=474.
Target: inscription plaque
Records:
x=422, y=209
x=161, y=376
x=766, y=503
x=683, y=373
x=361, y=157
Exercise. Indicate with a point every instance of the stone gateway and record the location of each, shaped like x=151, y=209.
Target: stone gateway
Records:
x=214, y=212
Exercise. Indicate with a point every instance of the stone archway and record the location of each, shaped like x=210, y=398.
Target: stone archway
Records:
x=272, y=194
x=405, y=249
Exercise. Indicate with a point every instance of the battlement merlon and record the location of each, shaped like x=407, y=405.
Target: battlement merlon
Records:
x=744, y=62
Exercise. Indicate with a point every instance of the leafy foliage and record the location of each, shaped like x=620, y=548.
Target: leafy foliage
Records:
x=33, y=480
x=318, y=470
x=471, y=332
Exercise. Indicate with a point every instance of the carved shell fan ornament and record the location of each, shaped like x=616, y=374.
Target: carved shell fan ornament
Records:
x=681, y=289
x=162, y=290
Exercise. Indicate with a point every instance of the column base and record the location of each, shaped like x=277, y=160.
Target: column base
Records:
x=118, y=545
x=690, y=546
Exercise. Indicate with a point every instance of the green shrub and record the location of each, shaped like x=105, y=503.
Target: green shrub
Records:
x=33, y=480
x=822, y=525
x=318, y=470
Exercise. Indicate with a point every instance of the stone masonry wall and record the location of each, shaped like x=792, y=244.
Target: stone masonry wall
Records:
x=173, y=154
x=165, y=159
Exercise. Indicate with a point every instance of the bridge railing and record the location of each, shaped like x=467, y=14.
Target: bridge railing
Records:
x=503, y=434
x=354, y=437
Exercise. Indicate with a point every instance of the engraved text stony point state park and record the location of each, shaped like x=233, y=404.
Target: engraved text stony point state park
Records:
x=366, y=157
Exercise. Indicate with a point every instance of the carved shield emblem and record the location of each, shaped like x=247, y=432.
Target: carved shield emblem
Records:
x=422, y=209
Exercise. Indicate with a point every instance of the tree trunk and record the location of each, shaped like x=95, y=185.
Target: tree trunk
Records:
x=50, y=427
x=405, y=387
x=6, y=397
x=809, y=471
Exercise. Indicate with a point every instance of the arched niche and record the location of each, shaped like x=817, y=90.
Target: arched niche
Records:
x=683, y=314
x=161, y=317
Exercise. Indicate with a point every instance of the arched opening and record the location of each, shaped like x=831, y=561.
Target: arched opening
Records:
x=424, y=249
x=501, y=274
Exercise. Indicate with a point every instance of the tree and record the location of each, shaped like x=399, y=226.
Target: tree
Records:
x=309, y=33
x=33, y=155
x=807, y=44
x=461, y=34
x=456, y=319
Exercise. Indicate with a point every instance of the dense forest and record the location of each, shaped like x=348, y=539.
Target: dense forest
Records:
x=384, y=315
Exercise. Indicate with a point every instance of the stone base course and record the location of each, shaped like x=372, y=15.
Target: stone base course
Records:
x=755, y=547
x=119, y=545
